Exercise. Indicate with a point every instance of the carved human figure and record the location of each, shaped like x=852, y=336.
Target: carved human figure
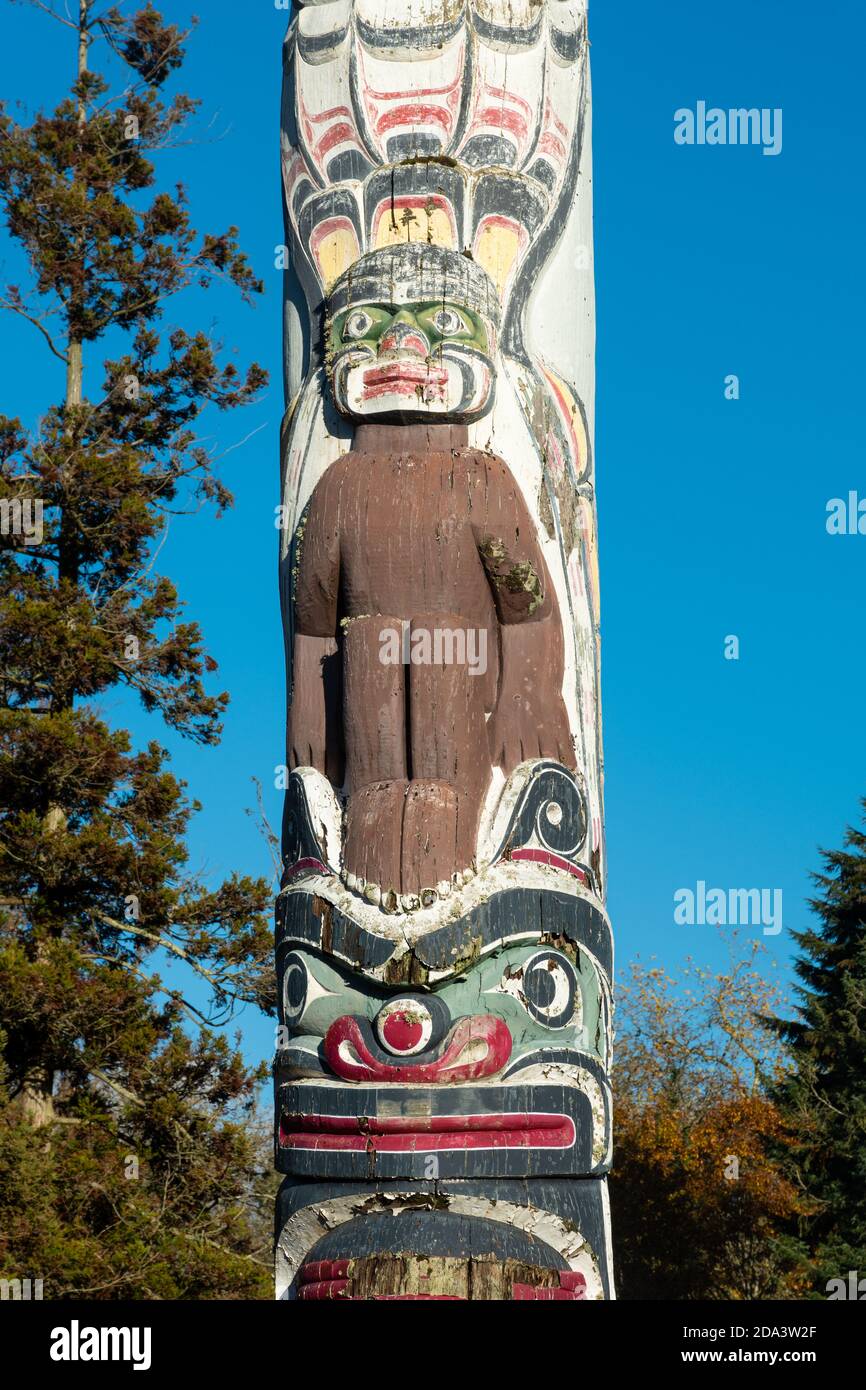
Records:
x=416, y=551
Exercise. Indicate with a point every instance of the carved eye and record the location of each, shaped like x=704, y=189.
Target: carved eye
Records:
x=448, y=322
x=295, y=988
x=358, y=324
x=548, y=988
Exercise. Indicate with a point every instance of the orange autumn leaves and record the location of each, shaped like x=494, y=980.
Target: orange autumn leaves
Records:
x=698, y=1205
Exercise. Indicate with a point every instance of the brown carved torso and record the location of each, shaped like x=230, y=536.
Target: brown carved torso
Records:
x=406, y=527
x=396, y=526
x=412, y=527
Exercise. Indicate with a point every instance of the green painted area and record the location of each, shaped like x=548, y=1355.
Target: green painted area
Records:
x=362, y=325
x=493, y=985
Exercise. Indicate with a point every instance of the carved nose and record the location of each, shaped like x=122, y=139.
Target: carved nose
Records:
x=474, y=1048
x=404, y=337
x=405, y=1026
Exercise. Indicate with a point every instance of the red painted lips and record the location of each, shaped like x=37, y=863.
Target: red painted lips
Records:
x=333, y=1279
x=413, y=1133
x=404, y=377
x=475, y=1048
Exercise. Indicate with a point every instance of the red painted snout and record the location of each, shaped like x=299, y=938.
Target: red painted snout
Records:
x=475, y=1048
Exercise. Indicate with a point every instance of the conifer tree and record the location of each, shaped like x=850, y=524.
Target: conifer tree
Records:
x=127, y=1168
x=823, y=1096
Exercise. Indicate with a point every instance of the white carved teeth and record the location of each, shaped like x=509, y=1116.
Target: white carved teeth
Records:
x=462, y=877
x=392, y=902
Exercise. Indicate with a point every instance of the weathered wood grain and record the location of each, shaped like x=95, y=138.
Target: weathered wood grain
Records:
x=444, y=958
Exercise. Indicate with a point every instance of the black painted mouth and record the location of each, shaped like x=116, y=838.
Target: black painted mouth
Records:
x=389, y=1131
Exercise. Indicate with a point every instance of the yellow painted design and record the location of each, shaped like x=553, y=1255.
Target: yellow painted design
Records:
x=591, y=547
x=430, y=224
x=496, y=249
x=335, y=253
x=566, y=403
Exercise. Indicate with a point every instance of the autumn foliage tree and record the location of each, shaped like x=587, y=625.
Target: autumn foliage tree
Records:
x=698, y=1205
x=126, y=1162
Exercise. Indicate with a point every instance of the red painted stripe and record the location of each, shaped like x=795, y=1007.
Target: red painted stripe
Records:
x=331, y=1288
x=323, y=1271
x=571, y=1279
x=340, y=134
x=326, y=228
x=412, y=116
x=301, y=866
x=498, y=118
x=552, y=145
x=428, y=1124
x=551, y=115
x=544, y=856
x=521, y=1292
x=329, y=115
x=411, y=200
x=401, y=388
x=497, y=219
x=307, y=1132
x=503, y=94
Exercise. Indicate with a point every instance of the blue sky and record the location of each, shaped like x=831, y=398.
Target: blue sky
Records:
x=710, y=261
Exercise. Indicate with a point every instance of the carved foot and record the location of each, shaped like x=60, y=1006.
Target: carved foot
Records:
x=408, y=844
x=371, y=848
x=435, y=856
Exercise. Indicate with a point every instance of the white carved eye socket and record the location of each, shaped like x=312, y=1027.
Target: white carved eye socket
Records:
x=548, y=988
x=448, y=322
x=358, y=324
x=295, y=988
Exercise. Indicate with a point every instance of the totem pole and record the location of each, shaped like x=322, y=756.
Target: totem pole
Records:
x=443, y=1112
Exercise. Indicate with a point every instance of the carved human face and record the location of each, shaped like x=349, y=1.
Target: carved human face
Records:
x=411, y=335
x=413, y=361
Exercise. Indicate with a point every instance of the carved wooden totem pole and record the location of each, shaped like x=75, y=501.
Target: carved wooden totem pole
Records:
x=443, y=1113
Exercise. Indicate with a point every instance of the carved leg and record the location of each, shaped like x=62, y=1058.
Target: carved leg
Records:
x=374, y=705
x=374, y=722
x=448, y=756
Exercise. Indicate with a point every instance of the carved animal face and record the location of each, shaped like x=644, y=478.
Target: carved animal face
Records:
x=503, y=1065
x=412, y=361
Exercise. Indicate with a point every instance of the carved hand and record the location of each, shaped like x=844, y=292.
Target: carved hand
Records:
x=530, y=720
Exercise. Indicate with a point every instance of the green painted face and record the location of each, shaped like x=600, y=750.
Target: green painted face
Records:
x=363, y=326
x=423, y=360
x=547, y=998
